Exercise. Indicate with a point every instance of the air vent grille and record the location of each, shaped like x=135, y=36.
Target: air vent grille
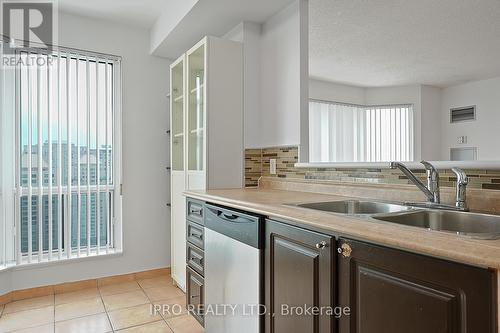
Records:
x=467, y=113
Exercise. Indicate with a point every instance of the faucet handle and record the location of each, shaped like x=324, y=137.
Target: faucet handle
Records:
x=461, y=176
x=432, y=180
x=461, y=191
x=429, y=167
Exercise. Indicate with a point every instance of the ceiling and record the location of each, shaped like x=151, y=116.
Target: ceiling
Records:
x=215, y=17
x=401, y=42
x=180, y=26
x=141, y=13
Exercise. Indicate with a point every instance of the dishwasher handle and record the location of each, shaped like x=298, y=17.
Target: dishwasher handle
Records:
x=230, y=217
x=243, y=227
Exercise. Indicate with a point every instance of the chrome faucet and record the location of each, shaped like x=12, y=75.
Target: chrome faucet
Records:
x=461, y=190
x=431, y=191
x=432, y=181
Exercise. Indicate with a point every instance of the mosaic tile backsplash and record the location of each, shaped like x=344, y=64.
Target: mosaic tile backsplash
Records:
x=257, y=165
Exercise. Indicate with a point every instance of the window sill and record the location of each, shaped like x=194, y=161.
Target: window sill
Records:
x=493, y=165
x=63, y=261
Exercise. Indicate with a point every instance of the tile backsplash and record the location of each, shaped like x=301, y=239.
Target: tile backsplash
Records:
x=257, y=165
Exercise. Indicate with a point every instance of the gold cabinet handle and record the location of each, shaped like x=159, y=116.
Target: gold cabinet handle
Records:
x=345, y=250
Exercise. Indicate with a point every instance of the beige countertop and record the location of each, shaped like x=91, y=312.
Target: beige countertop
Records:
x=271, y=202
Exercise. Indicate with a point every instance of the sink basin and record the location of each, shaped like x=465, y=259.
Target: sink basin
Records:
x=355, y=207
x=480, y=226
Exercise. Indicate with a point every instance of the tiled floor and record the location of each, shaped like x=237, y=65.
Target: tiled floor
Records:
x=126, y=307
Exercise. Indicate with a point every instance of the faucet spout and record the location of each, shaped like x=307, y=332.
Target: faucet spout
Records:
x=411, y=176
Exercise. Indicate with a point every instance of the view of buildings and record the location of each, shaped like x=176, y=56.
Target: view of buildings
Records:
x=79, y=201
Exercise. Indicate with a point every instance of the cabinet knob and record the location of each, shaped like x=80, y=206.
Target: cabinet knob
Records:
x=345, y=250
x=321, y=245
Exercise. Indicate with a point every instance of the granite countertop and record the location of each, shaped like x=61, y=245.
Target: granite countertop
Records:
x=271, y=202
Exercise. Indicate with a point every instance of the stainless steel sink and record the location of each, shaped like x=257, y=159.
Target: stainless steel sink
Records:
x=355, y=207
x=472, y=225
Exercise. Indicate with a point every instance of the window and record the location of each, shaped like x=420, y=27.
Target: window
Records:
x=357, y=133
x=67, y=155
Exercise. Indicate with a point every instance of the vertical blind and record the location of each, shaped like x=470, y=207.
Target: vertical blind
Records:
x=356, y=133
x=65, y=154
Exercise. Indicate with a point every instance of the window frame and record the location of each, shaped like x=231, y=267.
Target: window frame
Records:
x=365, y=109
x=116, y=228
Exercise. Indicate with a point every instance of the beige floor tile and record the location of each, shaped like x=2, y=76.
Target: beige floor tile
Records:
x=110, y=289
x=184, y=324
x=25, y=319
x=171, y=307
x=163, y=293
x=49, y=328
x=76, y=296
x=124, y=300
x=160, y=281
x=133, y=316
x=83, y=308
x=156, y=327
x=30, y=303
x=98, y=323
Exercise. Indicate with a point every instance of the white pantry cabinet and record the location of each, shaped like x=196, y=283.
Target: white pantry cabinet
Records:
x=206, y=120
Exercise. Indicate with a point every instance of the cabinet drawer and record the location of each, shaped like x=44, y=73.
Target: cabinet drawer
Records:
x=195, y=294
x=194, y=210
x=195, y=258
x=195, y=234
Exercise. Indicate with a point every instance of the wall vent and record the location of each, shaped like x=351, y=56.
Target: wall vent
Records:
x=467, y=113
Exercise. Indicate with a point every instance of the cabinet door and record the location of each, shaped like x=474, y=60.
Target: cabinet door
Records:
x=392, y=291
x=177, y=174
x=299, y=266
x=196, y=108
x=177, y=115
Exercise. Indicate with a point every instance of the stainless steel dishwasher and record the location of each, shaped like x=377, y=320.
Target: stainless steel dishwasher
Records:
x=233, y=272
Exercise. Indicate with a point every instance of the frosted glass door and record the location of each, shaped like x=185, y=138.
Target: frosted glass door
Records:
x=196, y=108
x=177, y=107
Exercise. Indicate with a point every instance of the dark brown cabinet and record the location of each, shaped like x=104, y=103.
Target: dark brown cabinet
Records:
x=392, y=291
x=195, y=258
x=195, y=294
x=299, y=274
x=194, y=210
x=195, y=234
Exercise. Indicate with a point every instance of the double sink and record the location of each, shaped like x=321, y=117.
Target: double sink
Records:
x=471, y=225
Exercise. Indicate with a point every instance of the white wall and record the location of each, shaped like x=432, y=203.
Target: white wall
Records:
x=173, y=13
x=282, y=76
x=430, y=123
x=483, y=133
x=275, y=78
x=146, y=219
x=248, y=33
